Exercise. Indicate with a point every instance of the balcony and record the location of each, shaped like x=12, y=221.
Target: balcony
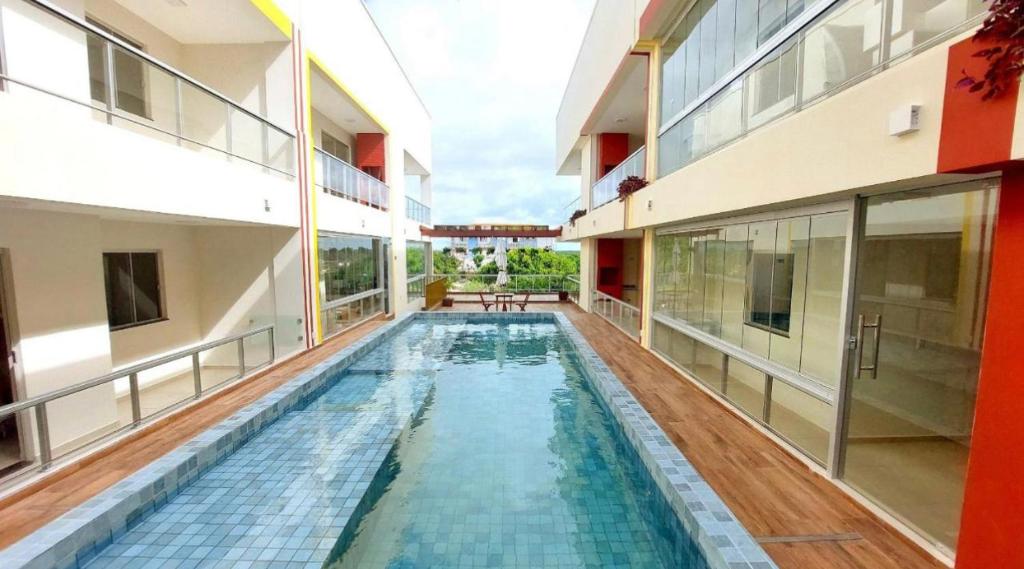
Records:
x=342, y=180
x=417, y=211
x=121, y=85
x=607, y=188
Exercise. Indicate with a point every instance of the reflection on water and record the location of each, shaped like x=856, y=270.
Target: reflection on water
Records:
x=514, y=463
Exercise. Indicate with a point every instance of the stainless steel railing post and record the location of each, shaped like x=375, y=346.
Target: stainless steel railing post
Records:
x=241, y=357
x=197, y=377
x=273, y=348
x=43, y=432
x=133, y=390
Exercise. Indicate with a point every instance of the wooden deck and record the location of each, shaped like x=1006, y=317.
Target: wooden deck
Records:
x=805, y=521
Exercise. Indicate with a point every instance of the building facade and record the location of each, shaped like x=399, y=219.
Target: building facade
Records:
x=229, y=166
x=824, y=244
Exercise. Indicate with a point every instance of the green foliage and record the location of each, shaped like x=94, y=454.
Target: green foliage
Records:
x=538, y=262
x=445, y=264
x=477, y=258
x=415, y=264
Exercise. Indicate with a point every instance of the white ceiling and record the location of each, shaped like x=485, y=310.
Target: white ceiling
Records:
x=337, y=106
x=206, y=21
x=623, y=106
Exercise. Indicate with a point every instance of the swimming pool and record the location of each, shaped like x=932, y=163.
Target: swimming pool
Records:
x=441, y=441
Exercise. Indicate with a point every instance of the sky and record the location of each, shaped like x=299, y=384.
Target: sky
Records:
x=492, y=74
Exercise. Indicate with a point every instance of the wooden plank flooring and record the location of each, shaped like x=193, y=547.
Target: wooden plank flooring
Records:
x=772, y=493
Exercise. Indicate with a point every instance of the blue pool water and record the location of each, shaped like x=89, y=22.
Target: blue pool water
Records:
x=512, y=461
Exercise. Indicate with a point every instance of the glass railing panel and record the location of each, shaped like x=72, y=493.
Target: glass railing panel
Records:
x=246, y=136
x=840, y=46
x=607, y=188
x=204, y=120
x=133, y=91
x=345, y=181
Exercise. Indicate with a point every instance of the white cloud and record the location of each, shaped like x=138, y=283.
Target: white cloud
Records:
x=492, y=75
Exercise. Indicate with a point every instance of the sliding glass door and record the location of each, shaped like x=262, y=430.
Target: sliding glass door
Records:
x=919, y=307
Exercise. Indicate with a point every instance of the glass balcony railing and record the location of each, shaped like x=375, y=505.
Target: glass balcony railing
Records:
x=843, y=44
x=343, y=180
x=416, y=211
x=607, y=188
x=130, y=89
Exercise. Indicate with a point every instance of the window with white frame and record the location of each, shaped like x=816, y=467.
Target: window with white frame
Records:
x=133, y=286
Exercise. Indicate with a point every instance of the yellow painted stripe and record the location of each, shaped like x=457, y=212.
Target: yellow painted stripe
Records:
x=276, y=16
x=315, y=222
x=344, y=89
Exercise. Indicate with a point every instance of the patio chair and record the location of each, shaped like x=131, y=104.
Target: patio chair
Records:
x=483, y=301
x=522, y=303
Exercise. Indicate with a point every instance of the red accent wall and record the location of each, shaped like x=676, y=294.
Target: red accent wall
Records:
x=993, y=515
x=370, y=153
x=609, y=267
x=976, y=135
x=612, y=149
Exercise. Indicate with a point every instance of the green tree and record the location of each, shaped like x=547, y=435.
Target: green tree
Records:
x=538, y=262
x=445, y=264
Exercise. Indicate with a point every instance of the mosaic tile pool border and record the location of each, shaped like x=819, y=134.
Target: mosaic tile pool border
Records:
x=74, y=538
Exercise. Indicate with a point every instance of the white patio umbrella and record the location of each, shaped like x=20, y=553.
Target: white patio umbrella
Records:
x=501, y=259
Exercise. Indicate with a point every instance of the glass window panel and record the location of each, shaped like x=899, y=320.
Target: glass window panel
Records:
x=758, y=300
x=676, y=346
x=823, y=304
x=801, y=419
x=708, y=35
x=789, y=279
x=707, y=367
x=146, y=280
x=672, y=78
x=96, y=50
x=771, y=87
x=117, y=276
x=725, y=38
x=746, y=29
x=771, y=17
x=841, y=45
x=669, y=159
x=130, y=82
x=744, y=387
x=695, y=291
x=917, y=22
x=725, y=115
x=348, y=265
x=714, y=268
x=692, y=67
x=734, y=283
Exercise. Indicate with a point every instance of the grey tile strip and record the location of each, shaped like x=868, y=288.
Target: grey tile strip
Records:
x=723, y=541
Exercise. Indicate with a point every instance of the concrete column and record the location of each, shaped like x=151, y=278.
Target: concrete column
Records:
x=647, y=288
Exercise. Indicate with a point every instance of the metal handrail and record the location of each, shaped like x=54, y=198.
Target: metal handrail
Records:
x=351, y=298
x=513, y=282
x=626, y=312
x=75, y=21
x=38, y=403
x=382, y=189
x=637, y=161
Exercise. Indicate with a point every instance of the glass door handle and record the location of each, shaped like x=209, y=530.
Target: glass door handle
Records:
x=858, y=358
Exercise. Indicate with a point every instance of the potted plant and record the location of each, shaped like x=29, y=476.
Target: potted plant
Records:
x=576, y=215
x=630, y=185
x=447, y=302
